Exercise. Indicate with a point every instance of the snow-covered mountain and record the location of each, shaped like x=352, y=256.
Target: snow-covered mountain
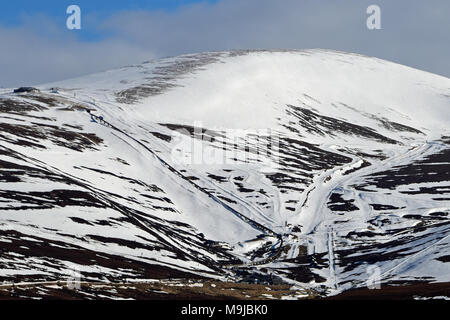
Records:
x=317, y=168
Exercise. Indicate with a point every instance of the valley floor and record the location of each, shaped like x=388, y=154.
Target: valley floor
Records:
x=177, y=289
x=183, y=289
x=417, y=291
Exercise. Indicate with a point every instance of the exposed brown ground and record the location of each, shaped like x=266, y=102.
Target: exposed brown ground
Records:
x=157, y=290
x=397, y=292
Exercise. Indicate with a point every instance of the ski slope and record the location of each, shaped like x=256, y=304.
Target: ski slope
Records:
x=313, y=166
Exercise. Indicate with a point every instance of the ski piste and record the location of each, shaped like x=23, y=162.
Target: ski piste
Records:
x=359, y=180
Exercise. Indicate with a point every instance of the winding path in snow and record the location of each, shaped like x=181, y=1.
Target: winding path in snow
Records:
x=244, y=218
x=315, y=214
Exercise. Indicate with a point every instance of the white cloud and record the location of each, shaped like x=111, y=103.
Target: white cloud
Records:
x=414, y=32
x=29, y=56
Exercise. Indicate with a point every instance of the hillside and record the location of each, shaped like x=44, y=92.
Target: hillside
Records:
x=316, y=169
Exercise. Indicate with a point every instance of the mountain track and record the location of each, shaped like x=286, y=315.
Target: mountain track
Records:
x=251, y=222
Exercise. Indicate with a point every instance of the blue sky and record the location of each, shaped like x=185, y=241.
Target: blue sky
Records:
x=13, y=13
x=36, y=47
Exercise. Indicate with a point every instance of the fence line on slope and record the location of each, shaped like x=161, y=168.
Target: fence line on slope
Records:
x=252, y=223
